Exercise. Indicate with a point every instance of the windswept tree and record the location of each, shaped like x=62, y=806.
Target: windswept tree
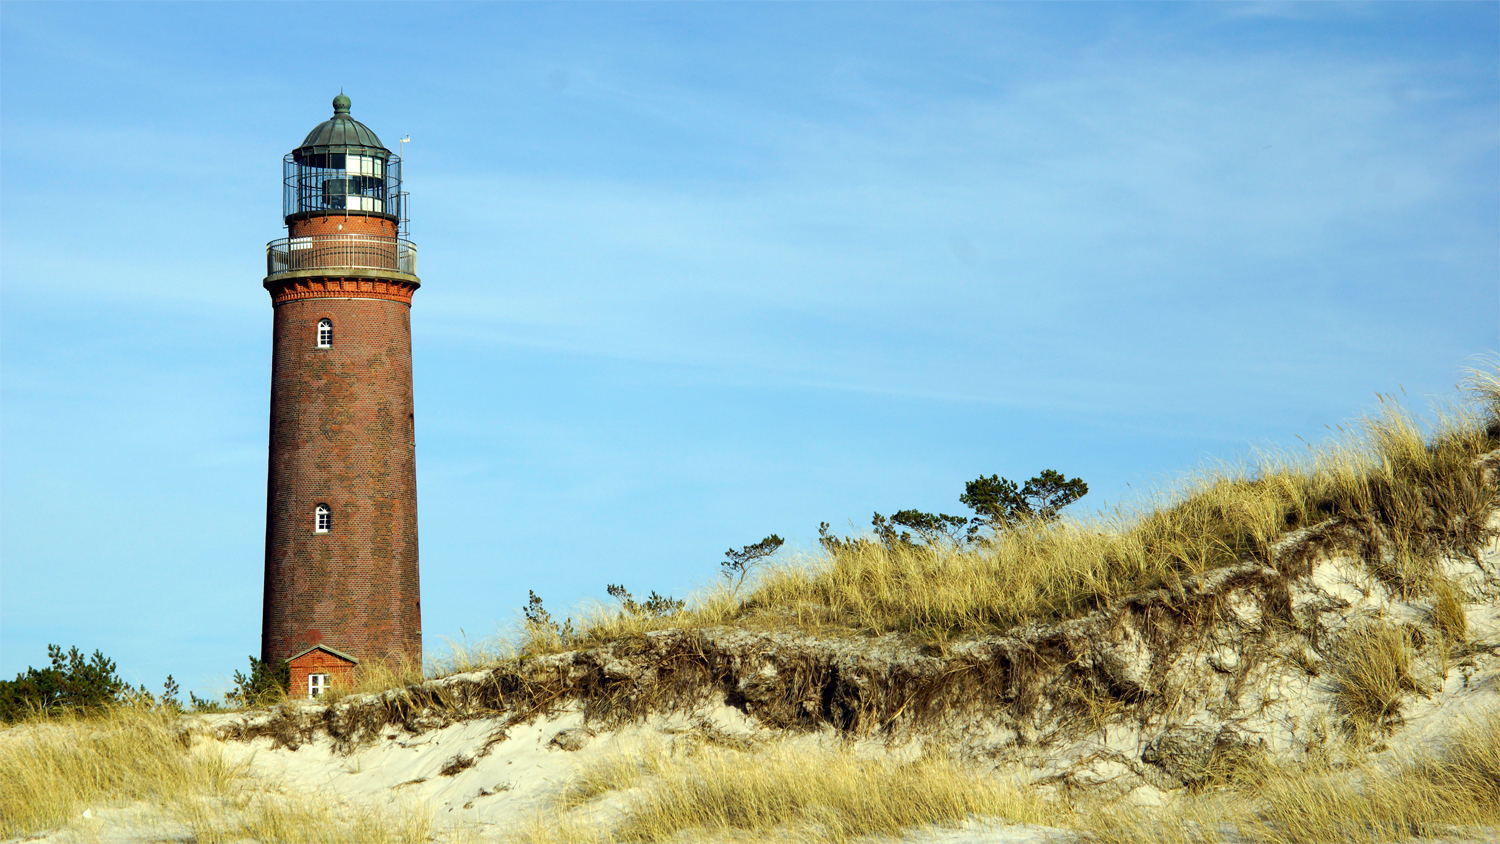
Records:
x=999, y=504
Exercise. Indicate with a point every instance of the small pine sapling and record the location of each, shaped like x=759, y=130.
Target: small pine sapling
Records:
x=836, y=544
x=656, y=606
x=737, y=564
x=540, y=620
x=169, y=692
x=933, y=528
x=204, y=704
x=266, y=683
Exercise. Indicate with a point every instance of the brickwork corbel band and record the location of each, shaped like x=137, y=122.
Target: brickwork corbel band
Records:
x=291, y=289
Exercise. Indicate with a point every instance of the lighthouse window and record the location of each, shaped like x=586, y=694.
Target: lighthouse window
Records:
x=325, y=334
x=363, y=165
x=322, y=519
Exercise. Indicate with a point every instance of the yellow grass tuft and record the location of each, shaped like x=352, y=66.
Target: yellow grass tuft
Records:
x=831, y=795
x=1454, y=793
x=53, y=768
x=374, y=676
x=275, y=819
x=1372, y=671
x=1197, y=823
x=1448, y=615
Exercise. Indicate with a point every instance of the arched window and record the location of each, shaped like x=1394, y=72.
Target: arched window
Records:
x=322, y=519
x=325, y=333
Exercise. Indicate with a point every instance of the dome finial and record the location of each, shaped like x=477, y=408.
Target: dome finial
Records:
x=341, y=104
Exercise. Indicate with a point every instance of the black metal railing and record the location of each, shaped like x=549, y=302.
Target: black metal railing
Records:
x=340, y=251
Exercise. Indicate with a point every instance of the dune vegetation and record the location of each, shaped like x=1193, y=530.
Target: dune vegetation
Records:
x=783, y=793
x=1452, y=793
x=60, y=768
x=1401, y=491
x=835, y=795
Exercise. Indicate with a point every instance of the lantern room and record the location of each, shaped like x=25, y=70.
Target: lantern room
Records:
x=341, y=168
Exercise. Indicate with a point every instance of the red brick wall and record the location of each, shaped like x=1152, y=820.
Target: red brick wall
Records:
x=317, y=662
x=342, y=434
x=351, y=224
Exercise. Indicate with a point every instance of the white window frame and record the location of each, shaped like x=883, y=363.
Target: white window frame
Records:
x=322, y=519
x=325, y=333
x=317, y=684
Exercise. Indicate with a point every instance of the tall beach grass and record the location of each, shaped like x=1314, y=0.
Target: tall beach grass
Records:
x=784, y=792
x=55, y=766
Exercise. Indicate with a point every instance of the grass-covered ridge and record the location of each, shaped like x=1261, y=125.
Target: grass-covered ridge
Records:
x=1384, y=489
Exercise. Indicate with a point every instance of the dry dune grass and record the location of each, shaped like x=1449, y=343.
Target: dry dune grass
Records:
x=52, y=768
x=272, y=819
x=1372, y=672
x=1453, y=794
x=833, y=795
x=374, y=676
x=1403, y=495
x=1449, y=618
x=828, y=795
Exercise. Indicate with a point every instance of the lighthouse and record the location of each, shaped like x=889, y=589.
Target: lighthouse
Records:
x=341, y=583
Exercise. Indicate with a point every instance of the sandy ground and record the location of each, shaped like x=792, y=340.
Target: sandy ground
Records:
x=518, y=776
x=513, y=779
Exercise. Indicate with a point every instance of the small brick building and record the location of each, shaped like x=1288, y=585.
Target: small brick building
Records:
x=315, y=668
x=341, y=580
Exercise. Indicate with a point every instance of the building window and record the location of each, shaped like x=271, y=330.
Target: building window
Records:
x=325, y=333
x=316, y=684
x=322, y=519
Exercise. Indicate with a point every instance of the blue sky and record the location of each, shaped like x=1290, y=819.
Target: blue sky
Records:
x=697, y=273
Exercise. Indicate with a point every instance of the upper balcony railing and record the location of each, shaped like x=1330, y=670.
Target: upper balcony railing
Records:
x=341, y=251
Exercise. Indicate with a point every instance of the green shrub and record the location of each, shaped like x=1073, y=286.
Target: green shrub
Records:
x=265, y=684
x=71, y=682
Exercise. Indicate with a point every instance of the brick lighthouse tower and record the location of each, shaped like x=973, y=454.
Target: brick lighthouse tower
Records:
x=341, y=498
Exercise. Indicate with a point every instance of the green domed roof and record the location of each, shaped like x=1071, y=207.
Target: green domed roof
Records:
x=342, y=131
